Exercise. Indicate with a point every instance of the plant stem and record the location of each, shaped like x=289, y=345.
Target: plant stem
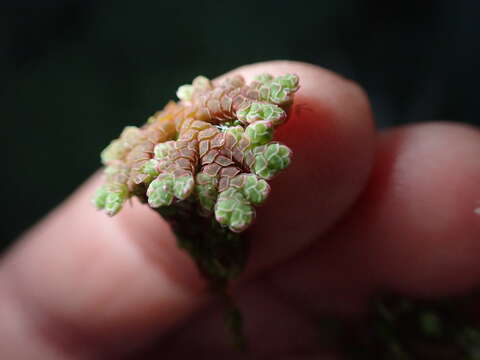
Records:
x=219, y=254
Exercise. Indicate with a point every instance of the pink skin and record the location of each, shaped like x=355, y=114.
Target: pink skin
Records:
x=81, y=285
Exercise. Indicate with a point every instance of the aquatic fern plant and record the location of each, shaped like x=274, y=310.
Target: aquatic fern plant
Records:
x=204, y=163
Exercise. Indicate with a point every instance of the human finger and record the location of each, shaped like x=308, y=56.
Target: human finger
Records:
x=96, y=285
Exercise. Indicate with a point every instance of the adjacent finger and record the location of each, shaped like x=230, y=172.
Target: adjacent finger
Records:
x=415, y=229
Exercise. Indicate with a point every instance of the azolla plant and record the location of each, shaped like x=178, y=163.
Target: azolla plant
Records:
x=203, y=163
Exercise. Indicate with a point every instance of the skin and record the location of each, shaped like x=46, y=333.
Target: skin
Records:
x=358, y=212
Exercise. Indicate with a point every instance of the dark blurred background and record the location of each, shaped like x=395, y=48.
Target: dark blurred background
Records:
x=75, y=72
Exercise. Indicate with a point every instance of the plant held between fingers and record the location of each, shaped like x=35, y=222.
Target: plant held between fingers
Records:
x=203, y=164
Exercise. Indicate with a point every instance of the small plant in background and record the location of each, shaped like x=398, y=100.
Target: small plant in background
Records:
x=401, y=328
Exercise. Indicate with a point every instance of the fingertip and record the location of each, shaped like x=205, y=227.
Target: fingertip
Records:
x=415, y=227
x=331, y=133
